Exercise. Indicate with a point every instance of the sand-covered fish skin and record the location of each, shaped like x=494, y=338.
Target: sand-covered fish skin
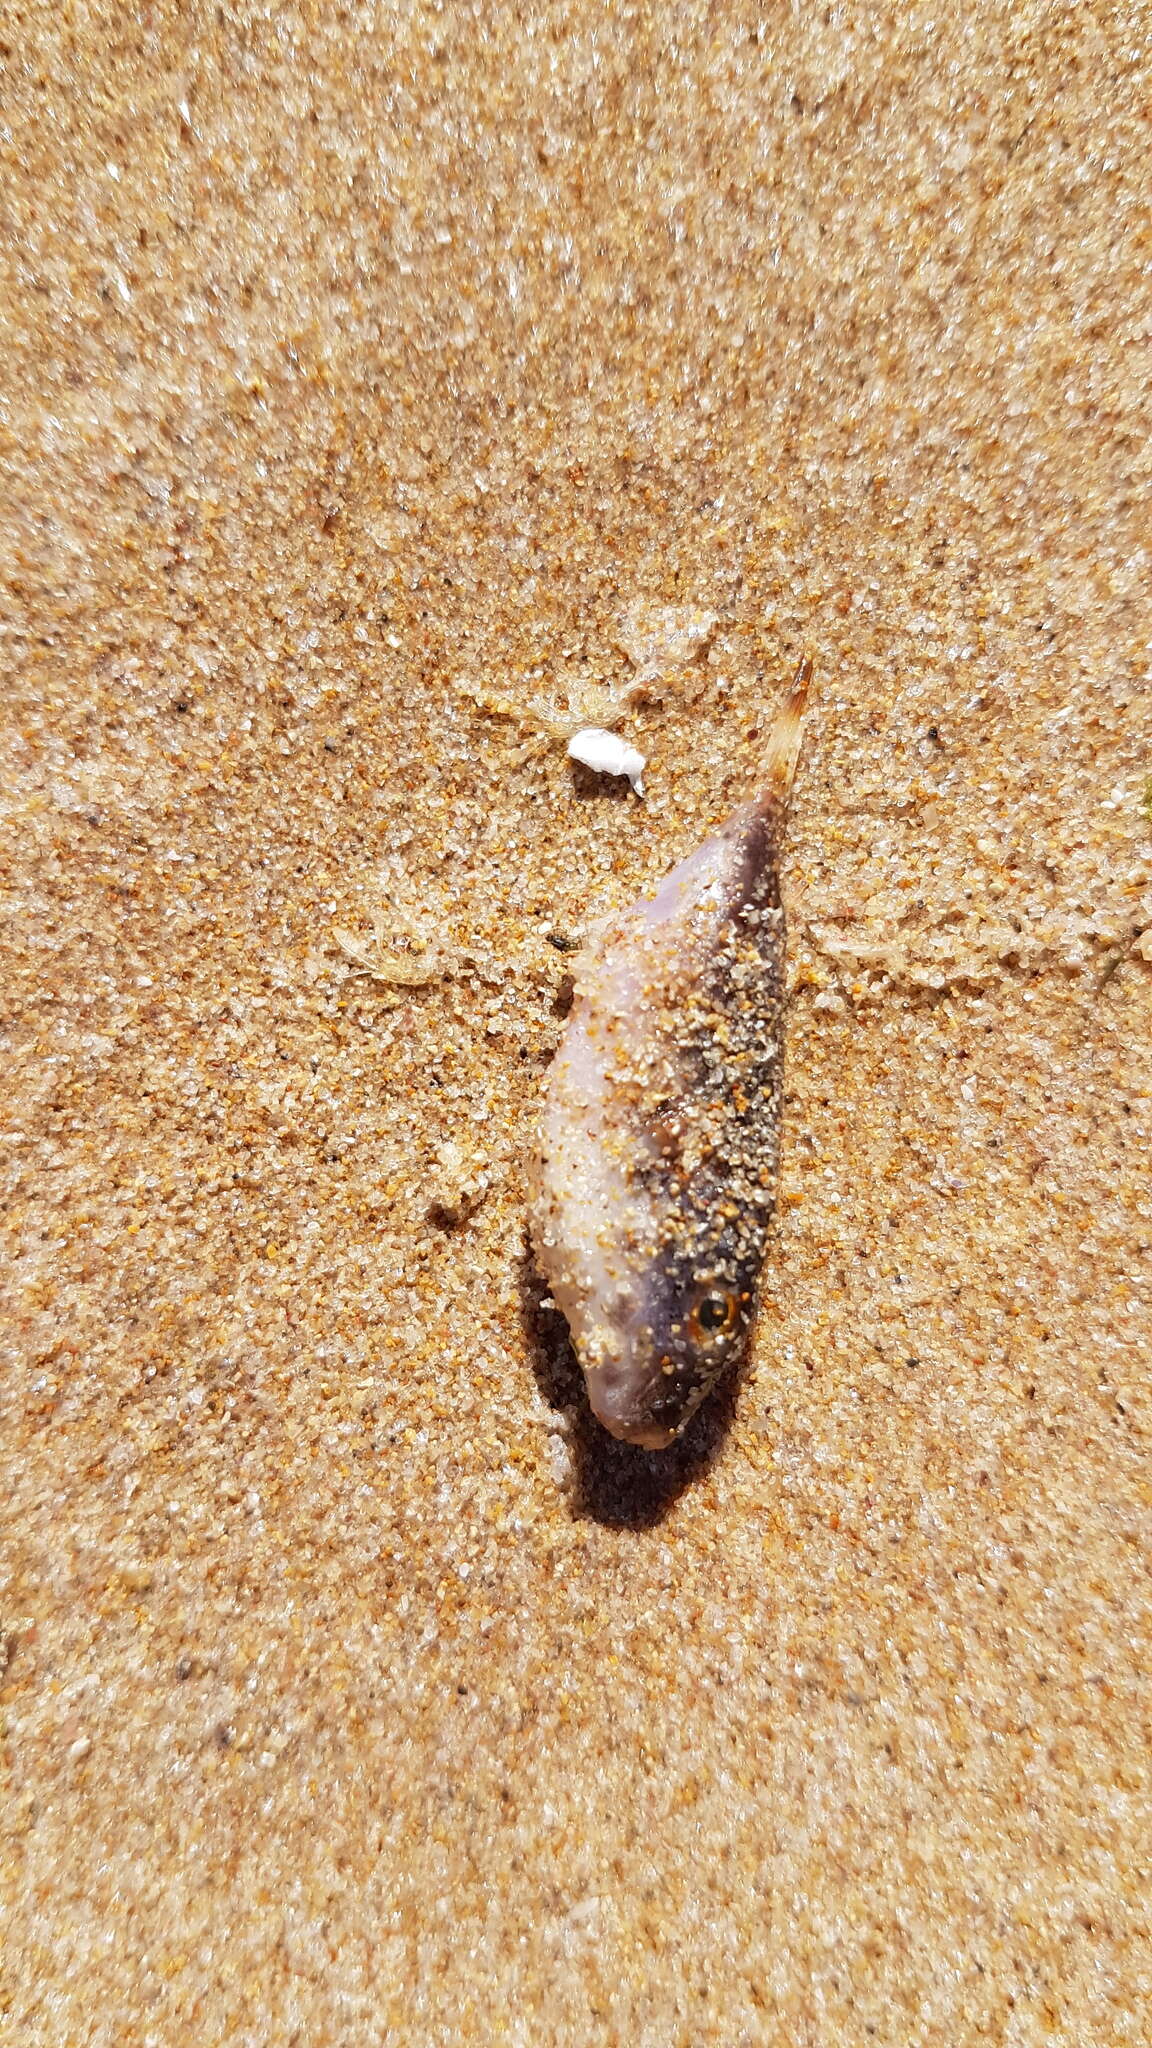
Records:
x=656, y=1174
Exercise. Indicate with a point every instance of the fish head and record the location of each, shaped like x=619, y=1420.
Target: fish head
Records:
x=665, y=1352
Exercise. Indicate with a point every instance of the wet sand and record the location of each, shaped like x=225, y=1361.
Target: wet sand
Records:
x=366, y=373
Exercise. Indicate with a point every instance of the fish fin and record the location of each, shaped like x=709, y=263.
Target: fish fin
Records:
x=786, y=736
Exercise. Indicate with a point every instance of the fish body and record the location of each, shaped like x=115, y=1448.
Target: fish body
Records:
x=655, y=1178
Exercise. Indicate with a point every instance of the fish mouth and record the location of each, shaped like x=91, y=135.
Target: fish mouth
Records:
x=618, y=1404
x=646, y=1435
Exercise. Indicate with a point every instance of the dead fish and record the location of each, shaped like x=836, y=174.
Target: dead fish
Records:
x=655, y=1178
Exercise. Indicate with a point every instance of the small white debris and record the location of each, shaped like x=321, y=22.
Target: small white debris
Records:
x=560, y=1460
x=608, y=754
x=585, y=1910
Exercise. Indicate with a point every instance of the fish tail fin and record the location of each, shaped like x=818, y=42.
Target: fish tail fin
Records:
x=785, y=739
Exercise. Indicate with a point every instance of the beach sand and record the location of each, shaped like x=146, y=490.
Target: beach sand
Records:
x=366, y=370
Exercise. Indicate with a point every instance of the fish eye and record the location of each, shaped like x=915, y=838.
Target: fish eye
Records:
x=714, y=1314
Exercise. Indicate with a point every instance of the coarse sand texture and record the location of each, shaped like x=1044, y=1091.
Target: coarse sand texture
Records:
x=390, y=394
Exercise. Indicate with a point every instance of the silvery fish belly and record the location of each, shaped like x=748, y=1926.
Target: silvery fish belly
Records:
x=656, y=1173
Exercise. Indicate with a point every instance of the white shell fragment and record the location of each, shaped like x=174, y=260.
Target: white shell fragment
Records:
x=608, y=754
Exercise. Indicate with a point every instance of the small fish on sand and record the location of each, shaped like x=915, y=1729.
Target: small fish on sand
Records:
x=655, y=1179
